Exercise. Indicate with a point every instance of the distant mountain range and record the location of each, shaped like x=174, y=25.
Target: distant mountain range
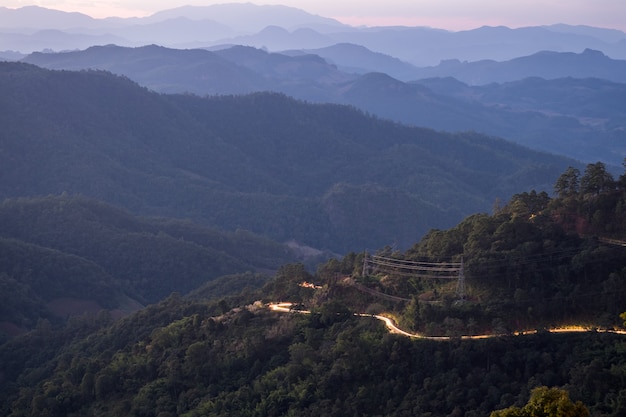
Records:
x=545, y=64
x=266, y=163
x=588, y=123
x=278, y=28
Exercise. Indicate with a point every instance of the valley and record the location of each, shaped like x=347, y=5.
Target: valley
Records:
x=254, y=210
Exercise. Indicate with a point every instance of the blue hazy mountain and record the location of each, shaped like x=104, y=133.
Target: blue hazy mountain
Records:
x=328, y=176
x=545, y=64
x=358, y=59
x=278, y=27
x=581, y=134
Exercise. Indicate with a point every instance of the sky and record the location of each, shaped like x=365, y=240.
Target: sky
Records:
x=444, y=14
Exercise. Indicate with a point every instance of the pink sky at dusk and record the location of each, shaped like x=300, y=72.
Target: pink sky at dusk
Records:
x=445, y=14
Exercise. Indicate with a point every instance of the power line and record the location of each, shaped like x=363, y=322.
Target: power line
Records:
x=411, y=262
x=420, y=269
x=456, y=270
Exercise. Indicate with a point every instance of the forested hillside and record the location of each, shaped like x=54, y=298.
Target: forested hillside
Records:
x=546, y=261
x=194, y=359
x=538, y=262
x=582, y=118
x=264, y=163
x=326, y=175
x=167, y=249
x=65, y=256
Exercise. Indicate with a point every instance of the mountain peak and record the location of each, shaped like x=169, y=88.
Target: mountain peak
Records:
x=588, y=52
x=42, y=18
x=248, y=17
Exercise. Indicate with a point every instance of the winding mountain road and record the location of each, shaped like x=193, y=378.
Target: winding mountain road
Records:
x=286, y=307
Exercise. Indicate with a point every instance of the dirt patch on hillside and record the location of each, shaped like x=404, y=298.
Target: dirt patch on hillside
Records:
x=64, y=307
x=67, y=307
x=11, y=329
x=126, y=306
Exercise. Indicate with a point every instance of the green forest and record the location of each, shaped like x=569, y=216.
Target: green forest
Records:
x=537, y=262
x=265, y=163
x=71, y=248
x=144, y=237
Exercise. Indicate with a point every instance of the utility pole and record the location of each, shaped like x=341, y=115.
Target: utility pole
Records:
x=365, y=264
x=460, y=286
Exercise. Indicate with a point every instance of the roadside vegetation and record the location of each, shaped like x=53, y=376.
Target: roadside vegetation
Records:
x=536, y=261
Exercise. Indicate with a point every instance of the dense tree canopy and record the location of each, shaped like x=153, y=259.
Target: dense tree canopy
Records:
x=546, y=402
x=265, y=163
x=526, y=268
x=537, y=262
x=231, y=356
x=67, y=255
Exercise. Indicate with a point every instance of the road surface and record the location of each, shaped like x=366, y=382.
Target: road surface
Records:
x=286, y=307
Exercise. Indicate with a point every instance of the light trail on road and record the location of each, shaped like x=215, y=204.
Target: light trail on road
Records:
x=286, y=307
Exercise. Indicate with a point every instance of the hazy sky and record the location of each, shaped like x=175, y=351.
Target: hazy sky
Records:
x=446, y=14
